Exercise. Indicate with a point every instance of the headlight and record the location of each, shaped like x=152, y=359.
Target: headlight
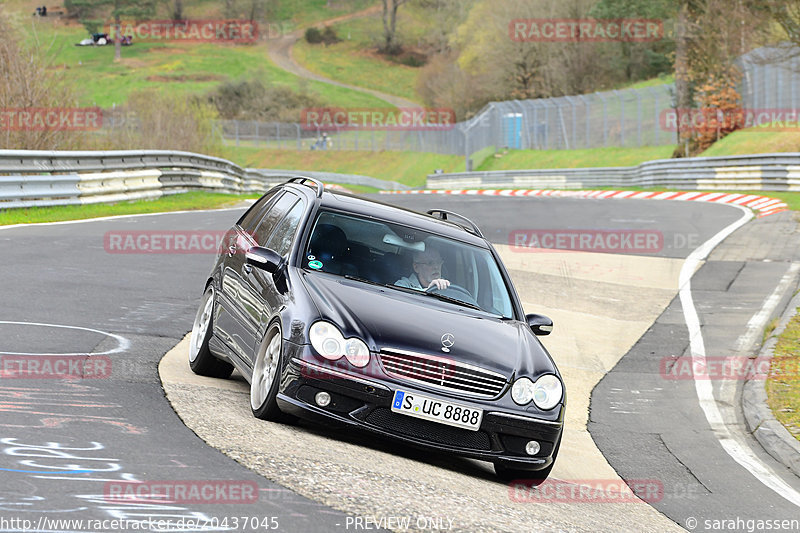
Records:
x=522, y=391
x=356, y=352
x=328, y=341
x=546, y=392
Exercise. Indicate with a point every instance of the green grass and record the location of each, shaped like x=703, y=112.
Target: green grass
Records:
x=408, y=168
x=306, y=12
x=783, y=385
x=359, y=189
x=652, y=82
x=355, y=62
x=591, y=157
x=755, y=141
x=175, y=202
x=181, y=68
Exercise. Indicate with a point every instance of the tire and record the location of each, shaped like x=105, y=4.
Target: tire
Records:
x=266, y=377
x=201, y=360
x=533, y=478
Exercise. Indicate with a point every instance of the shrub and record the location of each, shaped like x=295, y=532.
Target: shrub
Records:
x=313, y=36
x=329, y=36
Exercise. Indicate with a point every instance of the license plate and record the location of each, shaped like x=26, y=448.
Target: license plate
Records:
x=413, y=404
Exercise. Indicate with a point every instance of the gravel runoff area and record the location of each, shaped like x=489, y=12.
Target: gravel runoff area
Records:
x=374, y=479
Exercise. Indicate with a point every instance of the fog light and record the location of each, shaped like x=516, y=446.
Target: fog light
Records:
x=532, y=448
x=323, y=399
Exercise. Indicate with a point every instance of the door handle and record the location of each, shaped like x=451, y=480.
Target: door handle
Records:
x=232, y=250
x=247, y=268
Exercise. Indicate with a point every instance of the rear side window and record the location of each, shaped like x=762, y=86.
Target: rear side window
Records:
x=273, y=215
x=282, y=237
x=250, y=219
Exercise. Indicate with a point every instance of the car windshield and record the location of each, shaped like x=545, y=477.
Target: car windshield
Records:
x=407, y=259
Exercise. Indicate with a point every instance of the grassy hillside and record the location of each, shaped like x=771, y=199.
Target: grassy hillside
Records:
x=593, y=157
x=180, y=67
x=355, y=61
x=755, y=141
x=185, y=68
x=409, y=168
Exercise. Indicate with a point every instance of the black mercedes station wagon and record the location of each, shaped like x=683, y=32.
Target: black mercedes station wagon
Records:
x=355, y=313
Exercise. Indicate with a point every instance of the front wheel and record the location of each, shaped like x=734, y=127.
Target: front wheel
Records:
x=201, y=360
x=533, y=478
x=266, y=375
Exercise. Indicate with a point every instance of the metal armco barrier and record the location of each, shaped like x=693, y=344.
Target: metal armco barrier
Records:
x=766, y=172
x=42, y=178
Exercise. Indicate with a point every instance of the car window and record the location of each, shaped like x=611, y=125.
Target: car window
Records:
x=272, y=216
x=281, y=239
x=250, y=219
x=391, y=254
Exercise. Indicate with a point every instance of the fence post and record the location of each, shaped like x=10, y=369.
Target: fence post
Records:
x=299, y=136
x=237, y=132
x=605, y=118
x=621, y=118
x=656, y=116
x=639, y=116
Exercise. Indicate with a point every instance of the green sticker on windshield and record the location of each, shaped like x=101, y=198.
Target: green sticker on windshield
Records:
x=316, y=265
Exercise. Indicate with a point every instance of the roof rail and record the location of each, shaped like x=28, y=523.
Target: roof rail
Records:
x=442, y=214
x=304, y=179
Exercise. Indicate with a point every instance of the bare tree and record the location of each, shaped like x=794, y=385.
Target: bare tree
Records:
x=390, y=7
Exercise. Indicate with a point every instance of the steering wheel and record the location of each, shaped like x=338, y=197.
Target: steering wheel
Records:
x=466, y=296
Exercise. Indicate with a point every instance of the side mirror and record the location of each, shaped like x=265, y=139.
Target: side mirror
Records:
x=263, y=258
x=539, y=324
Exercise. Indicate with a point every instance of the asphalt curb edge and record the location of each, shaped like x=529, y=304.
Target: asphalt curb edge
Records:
x=761, y=423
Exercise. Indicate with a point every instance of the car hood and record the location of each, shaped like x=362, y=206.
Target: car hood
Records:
x=387, y=318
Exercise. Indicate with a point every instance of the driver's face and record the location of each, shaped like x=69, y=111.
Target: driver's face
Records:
x=428, y=267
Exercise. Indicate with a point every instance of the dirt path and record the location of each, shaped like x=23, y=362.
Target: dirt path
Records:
x=280, y=52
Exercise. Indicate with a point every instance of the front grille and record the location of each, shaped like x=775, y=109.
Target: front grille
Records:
x=428, y=431
x=443, y=373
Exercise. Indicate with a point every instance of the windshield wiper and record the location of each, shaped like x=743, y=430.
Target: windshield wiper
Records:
x=369, y=281
x=453, y=300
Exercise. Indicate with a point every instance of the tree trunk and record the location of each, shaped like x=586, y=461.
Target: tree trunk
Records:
x=117, y=38
x=683, y=96
x=387, y=36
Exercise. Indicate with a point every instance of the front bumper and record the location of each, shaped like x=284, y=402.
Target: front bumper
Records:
x=365, y=402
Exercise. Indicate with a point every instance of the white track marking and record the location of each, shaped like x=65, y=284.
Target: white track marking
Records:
x=759, y=320
x=115, y=217
x=738, y=451
x=122, y=342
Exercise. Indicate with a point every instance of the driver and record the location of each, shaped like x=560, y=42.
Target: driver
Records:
x=427, y=272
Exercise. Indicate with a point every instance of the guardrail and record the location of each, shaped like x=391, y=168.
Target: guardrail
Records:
x=767, y=172
x=43, y=178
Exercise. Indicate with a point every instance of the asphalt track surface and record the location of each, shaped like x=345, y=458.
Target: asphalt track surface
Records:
x=63, y=442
